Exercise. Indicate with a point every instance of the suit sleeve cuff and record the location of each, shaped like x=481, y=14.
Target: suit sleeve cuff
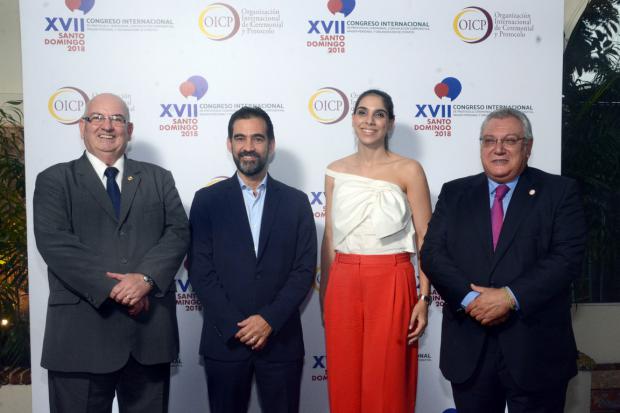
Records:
x=517, y=307
x=471, y=296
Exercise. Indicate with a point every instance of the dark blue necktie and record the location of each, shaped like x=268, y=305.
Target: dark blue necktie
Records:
x=112, y=188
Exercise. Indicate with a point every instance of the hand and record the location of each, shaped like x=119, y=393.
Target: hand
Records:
x=491, y=307
x=141, y=306
x=130, y=288
x=498, y=321
x=253, y=332
x=418, y=321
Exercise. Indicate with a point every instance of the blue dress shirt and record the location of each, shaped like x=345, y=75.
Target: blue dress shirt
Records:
x=254, y=204
x=471, y=296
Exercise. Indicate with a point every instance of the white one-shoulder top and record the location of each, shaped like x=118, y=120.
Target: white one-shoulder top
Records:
x=370, y=216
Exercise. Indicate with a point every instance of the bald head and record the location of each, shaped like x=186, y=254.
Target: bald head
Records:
x=106, y=136
x=107, y=99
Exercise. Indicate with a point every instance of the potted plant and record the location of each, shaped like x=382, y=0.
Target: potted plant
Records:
x=14, y=319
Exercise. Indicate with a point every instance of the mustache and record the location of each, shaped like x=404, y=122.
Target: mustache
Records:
x=248, y=153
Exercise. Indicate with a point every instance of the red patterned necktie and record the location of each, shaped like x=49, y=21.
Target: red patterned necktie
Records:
x=497, y=212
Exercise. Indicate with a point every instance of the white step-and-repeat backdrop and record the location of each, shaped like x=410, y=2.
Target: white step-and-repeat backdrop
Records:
x=183, y=67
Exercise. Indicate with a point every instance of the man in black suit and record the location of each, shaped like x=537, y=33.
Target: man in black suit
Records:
x=502, y=249
x=113, y=232
x=252, y=261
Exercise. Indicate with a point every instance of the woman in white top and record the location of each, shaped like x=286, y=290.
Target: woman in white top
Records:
x=378, y=208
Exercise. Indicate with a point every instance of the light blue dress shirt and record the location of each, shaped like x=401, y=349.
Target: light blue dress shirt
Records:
x=254, y=205
x=471, y=296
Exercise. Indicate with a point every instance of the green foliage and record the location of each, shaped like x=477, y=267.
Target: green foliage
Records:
x=591, y=142
x=591, y=47
x=14, y=337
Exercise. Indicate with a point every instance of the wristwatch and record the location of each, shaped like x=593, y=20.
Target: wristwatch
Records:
x=149, y=281
x=426, y=298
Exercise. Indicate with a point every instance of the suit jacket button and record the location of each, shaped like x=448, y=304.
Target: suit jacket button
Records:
x=124, y=260
x=257, y=276
x=122, y=233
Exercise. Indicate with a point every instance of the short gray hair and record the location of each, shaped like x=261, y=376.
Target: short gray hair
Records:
x=507, y=112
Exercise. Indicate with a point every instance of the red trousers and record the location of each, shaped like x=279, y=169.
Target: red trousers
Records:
x=368, y=303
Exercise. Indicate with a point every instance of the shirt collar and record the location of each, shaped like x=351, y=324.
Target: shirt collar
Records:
x=261, y=186
x=493, y=185
x=100, y=166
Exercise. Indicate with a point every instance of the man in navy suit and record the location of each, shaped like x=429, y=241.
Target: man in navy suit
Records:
x=502, y=249
x=252, y=262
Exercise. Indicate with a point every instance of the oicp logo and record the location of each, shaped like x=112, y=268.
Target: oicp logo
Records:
x=67, y=105
x=473, y=24
x=328, y=105
x=219, y=21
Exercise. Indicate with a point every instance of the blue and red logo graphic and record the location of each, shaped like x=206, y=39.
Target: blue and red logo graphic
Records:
x=450, y=87
x=437, y=117
x=341, y=6
x=196, y=86
x=183, y=117
x=84, y=5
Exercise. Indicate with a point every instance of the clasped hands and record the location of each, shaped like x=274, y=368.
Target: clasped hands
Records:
x=253, y=332
x=131, y=291
x=491, y=307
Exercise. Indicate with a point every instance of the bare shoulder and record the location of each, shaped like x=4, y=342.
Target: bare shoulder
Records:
x=341, y=165
x=409, y=168
x=413, y=179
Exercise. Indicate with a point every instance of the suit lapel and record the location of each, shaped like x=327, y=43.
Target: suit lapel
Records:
x=88, y=179
x=270, y=210
x=131, y=181
x=238, y=213
x=520, y=205
x=481, y=213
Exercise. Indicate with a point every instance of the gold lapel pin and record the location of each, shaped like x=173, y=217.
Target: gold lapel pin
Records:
x=130, y=178
x=532, y=192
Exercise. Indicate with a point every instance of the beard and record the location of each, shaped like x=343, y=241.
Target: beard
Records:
x=253, y=167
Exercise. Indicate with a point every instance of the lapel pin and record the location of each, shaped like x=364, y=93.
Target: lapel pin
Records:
x=532, y=192
x=130, y=178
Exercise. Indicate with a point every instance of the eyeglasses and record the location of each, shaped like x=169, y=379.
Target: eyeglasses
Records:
x=507, y=141
x=97, y=119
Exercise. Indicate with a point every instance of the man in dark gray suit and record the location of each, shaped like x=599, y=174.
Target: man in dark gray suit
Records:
x=111, y=323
